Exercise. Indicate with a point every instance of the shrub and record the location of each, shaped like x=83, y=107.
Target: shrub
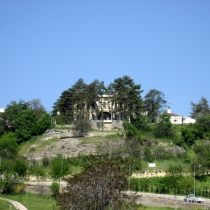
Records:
x=130, y=130
x=164, y=129
x=54, y=189
x=188, y=136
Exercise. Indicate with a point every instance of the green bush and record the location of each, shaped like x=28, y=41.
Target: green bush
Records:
x=141, y=123
x=188, y=136
x=54, y=189
x=164, y=129
x=204, y=123
x=130, y=130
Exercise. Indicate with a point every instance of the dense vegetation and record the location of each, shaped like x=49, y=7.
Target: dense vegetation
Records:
x=125, y=100
x=23, y=122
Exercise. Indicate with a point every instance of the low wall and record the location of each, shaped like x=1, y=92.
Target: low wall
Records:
x=38, y=189
x=109, y=125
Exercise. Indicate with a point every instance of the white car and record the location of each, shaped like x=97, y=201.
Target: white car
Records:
x=192, y=199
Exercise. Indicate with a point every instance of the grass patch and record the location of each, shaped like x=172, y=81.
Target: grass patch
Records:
x=149, y=135
x=6, y=205
x=34, y=202
x=45, y=202
x=25, y=145
x=37, y=144
x=164, y=164
x=47, y=142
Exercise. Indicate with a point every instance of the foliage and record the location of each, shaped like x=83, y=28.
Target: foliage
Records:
x=65, y=106
x=59, y=119
x=203, y=123
x=130, y=130
x=99, y=186
x=132, y=147
x=127, y=95
x=11, y=112
x=36, y=105
x=153, y=103
x=188, y=136
x=200, y=109
x=37, y=171
x=84, y=97
x=54, y=189
x=81, y=123
x=46, y=161
x=80, y=97
x=164, y=128
x=133, y=139
x=20, y=167
x=8, y=143
x=203, y=155
x=185, y=184
x=7, y=185
x=148, y=155
x=25, y=119
x=2, y=127
x=141, y=123
x=25, y=125
x=142, y=184
x=44, y=123
x=59, y=167
x=173, y=175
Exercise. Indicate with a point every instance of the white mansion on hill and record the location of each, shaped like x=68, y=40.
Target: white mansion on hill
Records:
x=178, y=119
x=107, y=112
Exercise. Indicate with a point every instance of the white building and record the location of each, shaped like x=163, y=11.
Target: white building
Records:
x=1, y=110
x=178, y=119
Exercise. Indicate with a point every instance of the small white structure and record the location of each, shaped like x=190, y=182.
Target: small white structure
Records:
x=2, y=110
x=178, y=119
x=152, y=165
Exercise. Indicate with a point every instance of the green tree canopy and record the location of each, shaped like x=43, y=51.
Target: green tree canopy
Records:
x=59, y=167
x=8, y=143
x=200, y=109
x=173, y=176
x=26, y=125
x=25, y=119
x=11, y=112
x=44, y=123
x=164, y=128
x=204, y=123
x=154, y=102
x=127, y=96
x=20, y=167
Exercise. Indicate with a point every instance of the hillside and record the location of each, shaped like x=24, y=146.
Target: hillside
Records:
x=95, y=142
x=53, y=144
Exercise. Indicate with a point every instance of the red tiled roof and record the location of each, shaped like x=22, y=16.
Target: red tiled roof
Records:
x=173, y=115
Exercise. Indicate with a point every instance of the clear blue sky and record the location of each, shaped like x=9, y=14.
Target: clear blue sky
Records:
x=47, y=45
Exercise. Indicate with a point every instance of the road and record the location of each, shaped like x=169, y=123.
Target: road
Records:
x=16, y=204
x=150, y=199
x=144, y=198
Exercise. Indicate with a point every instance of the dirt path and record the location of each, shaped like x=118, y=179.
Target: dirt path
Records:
x=16, y=204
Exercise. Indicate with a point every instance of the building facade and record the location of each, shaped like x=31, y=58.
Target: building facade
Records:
x=179, y=119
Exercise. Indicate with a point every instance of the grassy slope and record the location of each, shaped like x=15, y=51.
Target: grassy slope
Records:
x=6, y=205
x=36, y=144
x=33, y=202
